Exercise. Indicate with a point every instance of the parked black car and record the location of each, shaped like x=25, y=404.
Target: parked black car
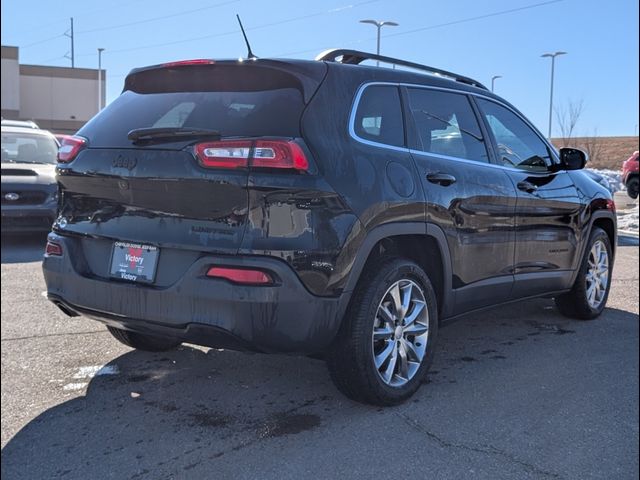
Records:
x=319, y=207
x=29, y=188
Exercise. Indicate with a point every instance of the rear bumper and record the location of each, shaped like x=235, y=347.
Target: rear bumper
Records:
x=28, y=218
x=197, y=309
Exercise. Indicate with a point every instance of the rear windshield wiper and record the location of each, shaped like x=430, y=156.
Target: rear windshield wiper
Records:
x=167, y=133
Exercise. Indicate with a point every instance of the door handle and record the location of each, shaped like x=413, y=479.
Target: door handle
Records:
x=443, y=179
x=526, y=186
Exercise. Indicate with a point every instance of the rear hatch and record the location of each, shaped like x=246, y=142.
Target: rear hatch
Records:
x=182, y=194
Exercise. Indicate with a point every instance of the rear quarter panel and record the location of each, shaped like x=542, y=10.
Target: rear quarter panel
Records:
x=364, y=177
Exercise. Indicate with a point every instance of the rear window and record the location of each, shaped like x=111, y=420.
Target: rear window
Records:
x=28, y=148
x=222, y=99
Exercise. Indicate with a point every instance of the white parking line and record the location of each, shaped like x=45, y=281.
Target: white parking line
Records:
x=89, y=372
x=96, y=371
x=75, y=386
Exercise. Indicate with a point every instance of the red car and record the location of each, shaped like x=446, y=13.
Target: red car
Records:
x=630, y=175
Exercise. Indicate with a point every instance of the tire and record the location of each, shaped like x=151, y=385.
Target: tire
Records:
x=141, y=341
x=351, y=360
x=576, y=303
x=632, y=187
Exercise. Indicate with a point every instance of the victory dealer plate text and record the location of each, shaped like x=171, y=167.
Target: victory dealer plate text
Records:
x=134, y=262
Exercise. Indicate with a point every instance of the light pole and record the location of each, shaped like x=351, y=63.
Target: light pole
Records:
x=553, y=64
x=100, y=50
x=379, y=25
x=493, y=80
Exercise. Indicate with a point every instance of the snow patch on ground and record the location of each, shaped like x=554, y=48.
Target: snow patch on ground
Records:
x=628, y=220
x=612, y=177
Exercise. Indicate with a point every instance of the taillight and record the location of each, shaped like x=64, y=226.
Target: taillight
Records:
x=283, y=154
x=241, y=275
x=53, y=249
x=70, y=148
x=278, y=154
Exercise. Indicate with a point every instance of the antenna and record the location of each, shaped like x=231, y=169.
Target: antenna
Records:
x=250, y=54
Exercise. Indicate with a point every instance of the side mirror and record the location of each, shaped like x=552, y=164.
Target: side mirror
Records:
x=572, y=159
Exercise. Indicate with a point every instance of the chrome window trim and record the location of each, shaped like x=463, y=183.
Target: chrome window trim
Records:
x=352, y=118
x=361, y=89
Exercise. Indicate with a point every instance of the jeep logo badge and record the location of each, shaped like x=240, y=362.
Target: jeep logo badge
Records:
x=124, y=162
x=12, y=196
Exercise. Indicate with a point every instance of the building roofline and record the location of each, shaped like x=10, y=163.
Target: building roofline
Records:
x=60, y=72
x=9, y=52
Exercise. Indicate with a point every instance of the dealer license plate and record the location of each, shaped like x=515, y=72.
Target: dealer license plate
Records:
x=134, y=262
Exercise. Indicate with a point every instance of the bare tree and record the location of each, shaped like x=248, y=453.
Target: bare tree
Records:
x=592, y=145
x=568, y=117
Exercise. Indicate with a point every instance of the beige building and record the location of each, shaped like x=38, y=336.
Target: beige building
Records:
x=59, y=99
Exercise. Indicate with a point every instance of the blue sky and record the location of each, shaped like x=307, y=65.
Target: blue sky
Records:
x=600, y=36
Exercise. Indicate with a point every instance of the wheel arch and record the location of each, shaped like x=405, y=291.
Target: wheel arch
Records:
x=607, y=224
x=405, y=240
x=606, y=220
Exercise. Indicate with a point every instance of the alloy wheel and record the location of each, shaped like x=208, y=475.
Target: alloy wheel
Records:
x=597, y=278
x=400, y=333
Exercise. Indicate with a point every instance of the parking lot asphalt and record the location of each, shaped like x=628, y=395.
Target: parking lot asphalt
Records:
x=514, y=392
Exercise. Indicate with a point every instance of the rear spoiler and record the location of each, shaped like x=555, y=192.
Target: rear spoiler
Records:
x=217, y=75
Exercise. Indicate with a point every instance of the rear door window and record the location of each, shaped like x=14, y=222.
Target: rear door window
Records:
x=446, y=124
x=379, y=116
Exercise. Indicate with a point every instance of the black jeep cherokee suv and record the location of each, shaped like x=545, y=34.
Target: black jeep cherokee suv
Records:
x=319, y=207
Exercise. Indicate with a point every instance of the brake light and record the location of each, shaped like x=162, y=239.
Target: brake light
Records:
x=70, y=148
x=183, y=63
x=283, y=154
x=279, y=154
x=241, y=275
x=53, y=249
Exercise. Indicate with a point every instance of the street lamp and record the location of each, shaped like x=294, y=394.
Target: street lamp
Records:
x=100, y=50
x=379, y=25
x=553, y=63
x=493, y=80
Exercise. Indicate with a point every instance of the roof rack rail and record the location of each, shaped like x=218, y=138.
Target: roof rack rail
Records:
x=355, y=57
